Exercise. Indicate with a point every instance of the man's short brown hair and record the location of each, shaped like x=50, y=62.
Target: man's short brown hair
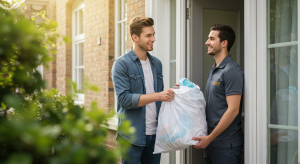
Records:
x=138, y=23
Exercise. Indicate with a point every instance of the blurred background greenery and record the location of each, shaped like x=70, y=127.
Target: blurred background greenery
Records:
x=40, y=126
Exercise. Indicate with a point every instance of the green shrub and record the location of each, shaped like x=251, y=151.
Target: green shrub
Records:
x=44, y=127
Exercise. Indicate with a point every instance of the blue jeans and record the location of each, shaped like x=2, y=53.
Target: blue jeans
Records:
x=142, y=154
x=230, y=155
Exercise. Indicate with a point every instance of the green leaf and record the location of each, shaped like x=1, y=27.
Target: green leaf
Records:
x=3, y=106
x=19, y=159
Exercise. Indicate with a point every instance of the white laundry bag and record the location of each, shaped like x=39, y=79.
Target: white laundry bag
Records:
x=180, y=120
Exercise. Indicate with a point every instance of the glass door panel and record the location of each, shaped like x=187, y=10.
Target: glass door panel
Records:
x=282, y=81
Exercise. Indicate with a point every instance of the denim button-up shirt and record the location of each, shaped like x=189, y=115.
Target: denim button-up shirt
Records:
x=128, y=79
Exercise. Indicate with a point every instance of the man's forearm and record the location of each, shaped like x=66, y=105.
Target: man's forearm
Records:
x=148, y=98
x=225, y=121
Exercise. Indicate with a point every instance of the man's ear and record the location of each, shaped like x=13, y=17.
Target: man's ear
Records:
x=135, y=38
x=224, y=43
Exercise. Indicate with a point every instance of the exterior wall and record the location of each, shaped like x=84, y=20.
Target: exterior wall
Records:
x=50, y=72
x=99, y=18
x=99, y=21
x=136, y=8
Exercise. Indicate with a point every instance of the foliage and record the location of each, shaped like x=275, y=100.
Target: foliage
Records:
x=45, y=127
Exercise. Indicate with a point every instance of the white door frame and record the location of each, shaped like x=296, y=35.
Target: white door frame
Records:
x=158, y=10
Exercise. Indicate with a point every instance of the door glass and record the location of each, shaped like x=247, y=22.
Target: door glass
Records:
x=282, y=81
x=211, y=17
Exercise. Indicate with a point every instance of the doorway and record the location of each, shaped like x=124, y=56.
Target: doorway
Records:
x=204, y=14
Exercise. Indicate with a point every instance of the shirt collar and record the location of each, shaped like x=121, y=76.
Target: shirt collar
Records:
x=135, y=57
x=224, y=62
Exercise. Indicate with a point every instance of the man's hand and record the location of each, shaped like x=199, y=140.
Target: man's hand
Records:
x=166, y=95
x=204, y=141
x=176, y=86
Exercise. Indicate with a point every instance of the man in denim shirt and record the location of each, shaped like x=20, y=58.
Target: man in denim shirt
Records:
x=138, y=82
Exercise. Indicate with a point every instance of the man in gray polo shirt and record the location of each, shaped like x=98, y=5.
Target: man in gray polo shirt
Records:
x=224, y=91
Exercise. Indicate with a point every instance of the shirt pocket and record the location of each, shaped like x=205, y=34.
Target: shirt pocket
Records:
x=160, y=82
x=136, y=82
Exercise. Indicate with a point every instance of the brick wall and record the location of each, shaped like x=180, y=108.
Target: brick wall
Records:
x=99, y=18
x=50, y=72
x=136, y=8
x=99, y=21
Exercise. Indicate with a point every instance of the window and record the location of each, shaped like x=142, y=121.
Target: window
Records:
x=121, y=27
x=78, y=48
x=282, y=71
x=120, y=31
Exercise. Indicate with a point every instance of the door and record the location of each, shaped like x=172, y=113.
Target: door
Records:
x=204, y=14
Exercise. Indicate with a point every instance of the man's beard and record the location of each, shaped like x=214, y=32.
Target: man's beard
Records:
x=214, y=52
x=144, y=47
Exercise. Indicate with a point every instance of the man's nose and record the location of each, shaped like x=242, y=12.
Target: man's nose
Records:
x=153, y=39
x=207, y=42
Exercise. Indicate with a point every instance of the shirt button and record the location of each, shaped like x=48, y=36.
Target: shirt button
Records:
x=134, y=77
x=140, y=66
x=144, y=90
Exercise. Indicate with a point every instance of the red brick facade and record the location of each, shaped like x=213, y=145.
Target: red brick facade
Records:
x=99, y=21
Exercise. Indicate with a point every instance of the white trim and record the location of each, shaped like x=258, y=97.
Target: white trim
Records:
x=284, y=127
x=180, y=55
x=116, y=43
x=77, y=39
x=121, y=21
x=276, y=45
x=113, y=123
x=262, y=107
x=180, y=39
x=250, y=81
x=148, y=8
x=118, y=36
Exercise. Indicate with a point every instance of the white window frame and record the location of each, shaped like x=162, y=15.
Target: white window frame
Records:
x=113, y=122
x=78, y=5
x=118, y=36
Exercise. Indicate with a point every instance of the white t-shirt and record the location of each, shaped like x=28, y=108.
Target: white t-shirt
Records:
x=151, y=114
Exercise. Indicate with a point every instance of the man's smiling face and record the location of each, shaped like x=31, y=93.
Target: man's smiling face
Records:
x=146, y=39
x=213, y=43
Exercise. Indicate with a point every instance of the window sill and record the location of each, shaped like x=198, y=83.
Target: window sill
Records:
x=79, y=102
x=113, y=123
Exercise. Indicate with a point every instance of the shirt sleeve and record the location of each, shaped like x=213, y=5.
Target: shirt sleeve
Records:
x=121, y=82
x=234, y=82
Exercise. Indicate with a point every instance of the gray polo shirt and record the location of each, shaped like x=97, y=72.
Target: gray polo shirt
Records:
x=224, y=80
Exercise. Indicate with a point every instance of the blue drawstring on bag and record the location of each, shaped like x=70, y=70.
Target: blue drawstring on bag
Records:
x=186, y=82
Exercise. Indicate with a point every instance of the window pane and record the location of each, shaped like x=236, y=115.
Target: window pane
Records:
x=80, y=80
x=283, y=146
x=81, y=54
x=75, y=23
x=120, y=10
x=283, y=81
x=283, y=85
x=125, y=9
x=75, y=54
x=124, y=37
x=283, y=21
x=81, y=22
x=119, y=53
